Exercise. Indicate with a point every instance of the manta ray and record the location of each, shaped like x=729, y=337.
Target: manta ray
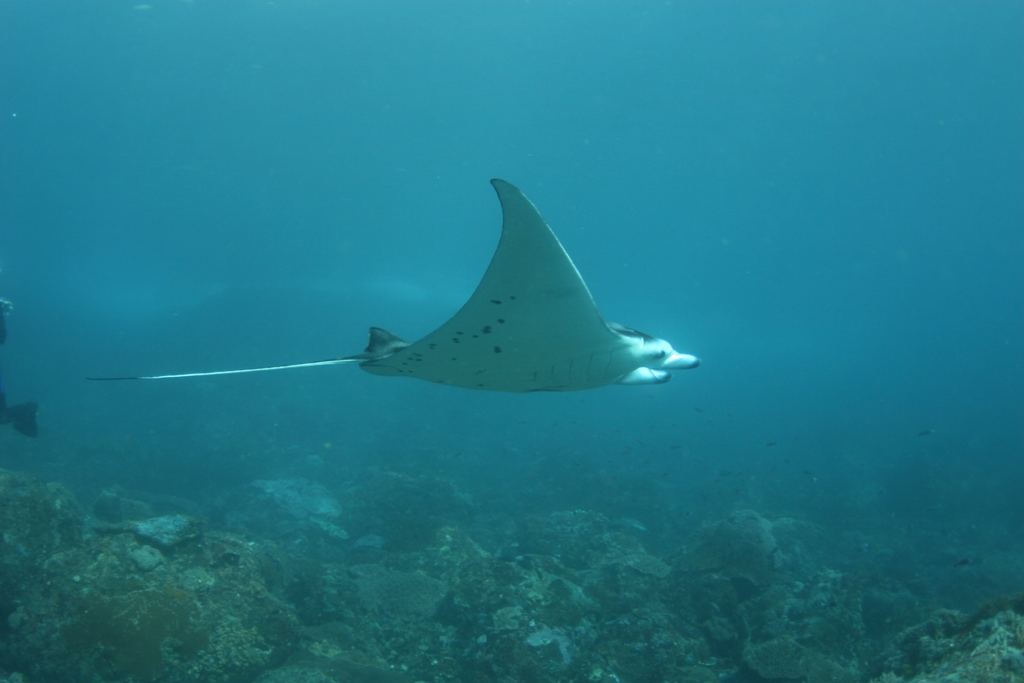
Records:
x=531, y=325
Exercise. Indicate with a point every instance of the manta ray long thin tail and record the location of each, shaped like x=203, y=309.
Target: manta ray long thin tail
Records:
x=329, y=361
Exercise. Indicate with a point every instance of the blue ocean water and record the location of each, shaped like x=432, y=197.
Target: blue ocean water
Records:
x=825, y=201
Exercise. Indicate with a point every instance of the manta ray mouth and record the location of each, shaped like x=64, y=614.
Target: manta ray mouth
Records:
x=645, y=376
x=680, y=361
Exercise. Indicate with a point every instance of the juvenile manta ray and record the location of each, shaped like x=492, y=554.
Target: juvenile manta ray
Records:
x=531, y=325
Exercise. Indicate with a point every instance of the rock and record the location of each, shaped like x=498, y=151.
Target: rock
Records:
x=112, y=506
x=777, y=658
x=146, y=558
x=740, y=546
x=170, y=530
x=402, y=595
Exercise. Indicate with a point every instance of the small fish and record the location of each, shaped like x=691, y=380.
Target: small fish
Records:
x=633, y=523
x=369, y=541
x=926, y=432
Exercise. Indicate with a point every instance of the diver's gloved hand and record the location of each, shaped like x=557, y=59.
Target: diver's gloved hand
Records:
x=23, y=418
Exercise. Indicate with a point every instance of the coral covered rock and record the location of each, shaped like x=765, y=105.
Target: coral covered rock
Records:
x=403, y=595
x=952, y=647
x=107, y=604
x=776, y=658
x=168, y=531
x=741, y=545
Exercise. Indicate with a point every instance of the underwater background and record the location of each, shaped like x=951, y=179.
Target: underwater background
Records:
x=824, y=201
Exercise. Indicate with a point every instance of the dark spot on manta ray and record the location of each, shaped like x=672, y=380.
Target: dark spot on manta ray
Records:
x=459, y=332
x=486, y=330
x=455, y=340
x=431, y=346
x=497, y=349
x=501, y=321
x=497, y=301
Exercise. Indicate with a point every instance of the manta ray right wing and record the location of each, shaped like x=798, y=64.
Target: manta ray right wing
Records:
x=531, y=324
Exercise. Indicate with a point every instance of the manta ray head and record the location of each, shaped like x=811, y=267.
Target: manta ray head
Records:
x=654, y=356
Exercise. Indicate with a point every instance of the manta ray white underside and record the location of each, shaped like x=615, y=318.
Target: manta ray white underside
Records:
x=531, y=325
